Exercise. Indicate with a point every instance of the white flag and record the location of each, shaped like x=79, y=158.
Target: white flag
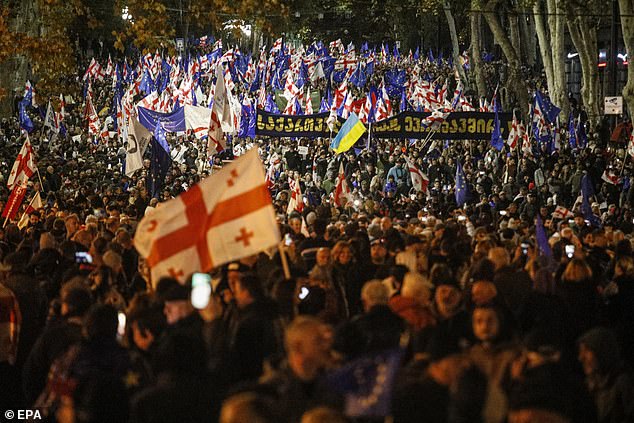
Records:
x=138, y=139
x=197, y=119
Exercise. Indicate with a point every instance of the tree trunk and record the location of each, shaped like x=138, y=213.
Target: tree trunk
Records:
x=454, y=40
x=584, y=37
x=544, y=44
x=14, y=71
x=514, y=32
x=556, y=21
x=527, y=26
x=515, y=84
x=627, y=26
x=476, y=54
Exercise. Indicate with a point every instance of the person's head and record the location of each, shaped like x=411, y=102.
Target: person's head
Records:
x=599, y=352
x=500, y=257
x=101, y=323
x=342, y=253
x=248, y=407
x=75, y=299
x=247, y=290
x=374, y=293
x=416, y=287
x=487, y=323
x=308, y=342
x=322, y=257
x=378, y=251
x=178, y=304
x=577, y=270
x=447, y=298
x=72, y=224
x=295, y=223
x=146, y=324
x=113, y=261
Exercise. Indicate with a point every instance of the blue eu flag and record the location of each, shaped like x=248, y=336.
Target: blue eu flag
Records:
x=497, y=141
x=587, y=191
x=462, y=192
x=367, y=383
x=542, y=239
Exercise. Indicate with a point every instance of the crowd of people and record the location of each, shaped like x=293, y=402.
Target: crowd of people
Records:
x=517, y=306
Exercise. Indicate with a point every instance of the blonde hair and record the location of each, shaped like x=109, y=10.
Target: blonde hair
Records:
x=417, y=287
x=577, y=271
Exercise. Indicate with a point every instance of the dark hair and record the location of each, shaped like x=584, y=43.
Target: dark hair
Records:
x=101, y=323
x=251, y=283
x=77, y=298
x=482, y=270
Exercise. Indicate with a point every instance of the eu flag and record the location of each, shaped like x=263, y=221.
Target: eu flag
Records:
x=542, y=239
x=159, y=166
x=549, y=110
x=159, y=135
x=25, y=121
x=572, y=132
x=367, y=383
x=587, y=191
x=462, y=191
x=497, y=141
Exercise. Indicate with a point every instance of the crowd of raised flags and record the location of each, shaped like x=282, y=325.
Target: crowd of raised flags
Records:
x=372, y=83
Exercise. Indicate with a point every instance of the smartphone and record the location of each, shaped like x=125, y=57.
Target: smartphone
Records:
x=570, y=251
x=121, y=326
x=502, y=212
x=462, y=218
x=524, y=247
x=201, y=290
x=288, y=240
x=83, y=257
x=571, y=221
x=303, y=292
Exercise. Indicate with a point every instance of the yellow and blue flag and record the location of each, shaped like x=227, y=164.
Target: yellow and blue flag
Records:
x=350, y=132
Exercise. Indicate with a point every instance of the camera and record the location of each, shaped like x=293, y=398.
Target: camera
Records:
x=524, y=247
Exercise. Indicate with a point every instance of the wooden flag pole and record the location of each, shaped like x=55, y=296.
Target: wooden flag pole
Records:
x=287, y=271
x=27, y=207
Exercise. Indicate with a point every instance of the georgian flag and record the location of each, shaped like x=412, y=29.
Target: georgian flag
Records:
x=420, y=181
x=514, y=134
x=296, y=201
x=342, y=190
x=227, y=216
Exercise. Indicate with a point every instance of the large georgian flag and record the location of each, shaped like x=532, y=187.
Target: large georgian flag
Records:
x=227, y=216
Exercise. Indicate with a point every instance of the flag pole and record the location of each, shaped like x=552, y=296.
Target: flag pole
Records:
x=27, y=207
x=39, y=177
x=287, y=272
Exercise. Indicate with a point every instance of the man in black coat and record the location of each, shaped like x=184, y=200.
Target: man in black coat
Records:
x=256, y=333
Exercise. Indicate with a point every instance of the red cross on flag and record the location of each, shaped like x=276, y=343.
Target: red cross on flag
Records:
x=420, y=181
x=227, y=216
x=24, y=166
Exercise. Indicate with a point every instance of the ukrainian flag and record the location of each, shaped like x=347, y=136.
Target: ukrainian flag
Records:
x=350, y=132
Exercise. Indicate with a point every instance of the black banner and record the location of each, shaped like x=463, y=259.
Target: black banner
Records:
x=311, y=126
x=407, y=125
x=457, y=126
